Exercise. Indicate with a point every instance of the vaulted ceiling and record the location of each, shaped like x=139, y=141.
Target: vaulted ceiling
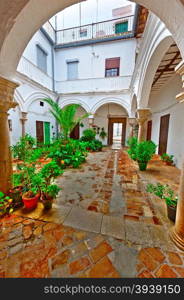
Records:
x=166, y=68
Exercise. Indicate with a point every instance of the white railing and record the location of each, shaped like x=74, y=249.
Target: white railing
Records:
x=94, y=85
x=50, y=30
x=99, y=30
x=27, y=68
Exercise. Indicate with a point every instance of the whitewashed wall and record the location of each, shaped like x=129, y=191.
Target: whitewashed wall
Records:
x=164, y=103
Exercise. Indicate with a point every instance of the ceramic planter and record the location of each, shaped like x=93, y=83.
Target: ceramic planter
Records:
x=171, y=212
x=30, y=203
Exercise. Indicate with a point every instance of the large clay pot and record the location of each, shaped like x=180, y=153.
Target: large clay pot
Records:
x=30, y=203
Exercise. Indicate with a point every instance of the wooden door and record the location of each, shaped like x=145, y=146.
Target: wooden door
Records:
x=164, y=129
x=149, y=130
x=47, y=133
x=110, y=129
x=75, y=134
x=39, y=132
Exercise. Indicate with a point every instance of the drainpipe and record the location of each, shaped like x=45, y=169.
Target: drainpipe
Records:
x=57, y=127
x=135, y=24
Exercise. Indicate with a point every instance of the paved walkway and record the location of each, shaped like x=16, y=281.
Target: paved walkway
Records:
x=103, y=224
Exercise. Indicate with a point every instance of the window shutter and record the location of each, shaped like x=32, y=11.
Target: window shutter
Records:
x=112, y=63
x=41, y=59
x=72, y=69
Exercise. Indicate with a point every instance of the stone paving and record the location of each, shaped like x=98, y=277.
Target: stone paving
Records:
x=112, y=229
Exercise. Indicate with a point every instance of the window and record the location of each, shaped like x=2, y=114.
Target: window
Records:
x=72, y=70
x=41, y=59
x=112, y=66
x=41, y=103
x=121, y=27
x=10, y=125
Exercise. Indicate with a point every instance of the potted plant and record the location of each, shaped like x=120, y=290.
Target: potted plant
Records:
x=31, y=186
x=103, y=134
x=166, y=193
x=144, y=151
x=168, y=159
x=48, y=189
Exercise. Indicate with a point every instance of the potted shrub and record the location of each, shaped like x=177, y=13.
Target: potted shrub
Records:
x=88, y=135
x=166, y=193
x=167, y=159
x=48, y=189
x=144, y=151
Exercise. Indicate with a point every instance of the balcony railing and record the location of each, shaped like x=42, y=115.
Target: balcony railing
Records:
x=96, y=31
x=94, y=85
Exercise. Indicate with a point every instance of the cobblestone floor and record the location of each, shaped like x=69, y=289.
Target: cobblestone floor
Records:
x=103, y=224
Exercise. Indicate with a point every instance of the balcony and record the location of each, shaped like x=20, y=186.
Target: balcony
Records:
x=103, y=30
x=112, y=29
x=92, y=85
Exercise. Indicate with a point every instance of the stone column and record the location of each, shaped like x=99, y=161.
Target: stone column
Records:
x=143, y=115
x=23, y=120
x=6, y=102
x=132, y=123
x=177, y=233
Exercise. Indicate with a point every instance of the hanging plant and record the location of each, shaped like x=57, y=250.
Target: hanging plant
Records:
x=103, y=134
x=81, y=124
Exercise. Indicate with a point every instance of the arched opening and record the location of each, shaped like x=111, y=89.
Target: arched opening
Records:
x=113, y=119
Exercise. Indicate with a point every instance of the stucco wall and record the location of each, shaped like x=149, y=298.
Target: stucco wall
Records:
x=165, y=103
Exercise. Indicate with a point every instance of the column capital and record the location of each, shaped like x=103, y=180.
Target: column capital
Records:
x=7, y=89
x=132, y=121
x=180, y=70
x=24, y=116
x=143, y=115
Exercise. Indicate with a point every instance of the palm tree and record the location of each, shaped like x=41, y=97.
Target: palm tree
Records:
x=66, y=117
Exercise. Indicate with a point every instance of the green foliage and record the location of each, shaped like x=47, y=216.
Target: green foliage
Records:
x=167, y=158
x=72, y=153
x=145, y=151
x=163, y=192
x=6, y=204
x=23, y=148
x=88, y=135
x=95, y=145
x=132, y=144
x=65, y=117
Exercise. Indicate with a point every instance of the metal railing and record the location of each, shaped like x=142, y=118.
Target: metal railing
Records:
x=99, y=30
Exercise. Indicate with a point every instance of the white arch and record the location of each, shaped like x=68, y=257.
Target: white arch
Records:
x=34, y=97
x=109, y=100
x=20, y=16
x=83, y=104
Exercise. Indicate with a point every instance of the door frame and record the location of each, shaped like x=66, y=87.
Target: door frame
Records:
x=111, y=121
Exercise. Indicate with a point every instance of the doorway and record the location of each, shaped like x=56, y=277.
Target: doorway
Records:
x=75, y=134
x=43, y=132
x=164, y=129
x=117, y=131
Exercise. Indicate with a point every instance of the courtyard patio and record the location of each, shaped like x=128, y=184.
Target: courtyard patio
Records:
x=103, y=224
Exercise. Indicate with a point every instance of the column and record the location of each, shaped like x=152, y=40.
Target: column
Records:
x=91, y=120
x=23, y=120
x=132, y=123
x=177, y=232
x=143, y=115
x=6, y=102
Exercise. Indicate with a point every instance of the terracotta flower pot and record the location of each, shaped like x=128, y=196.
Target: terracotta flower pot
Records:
x=30, y=203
